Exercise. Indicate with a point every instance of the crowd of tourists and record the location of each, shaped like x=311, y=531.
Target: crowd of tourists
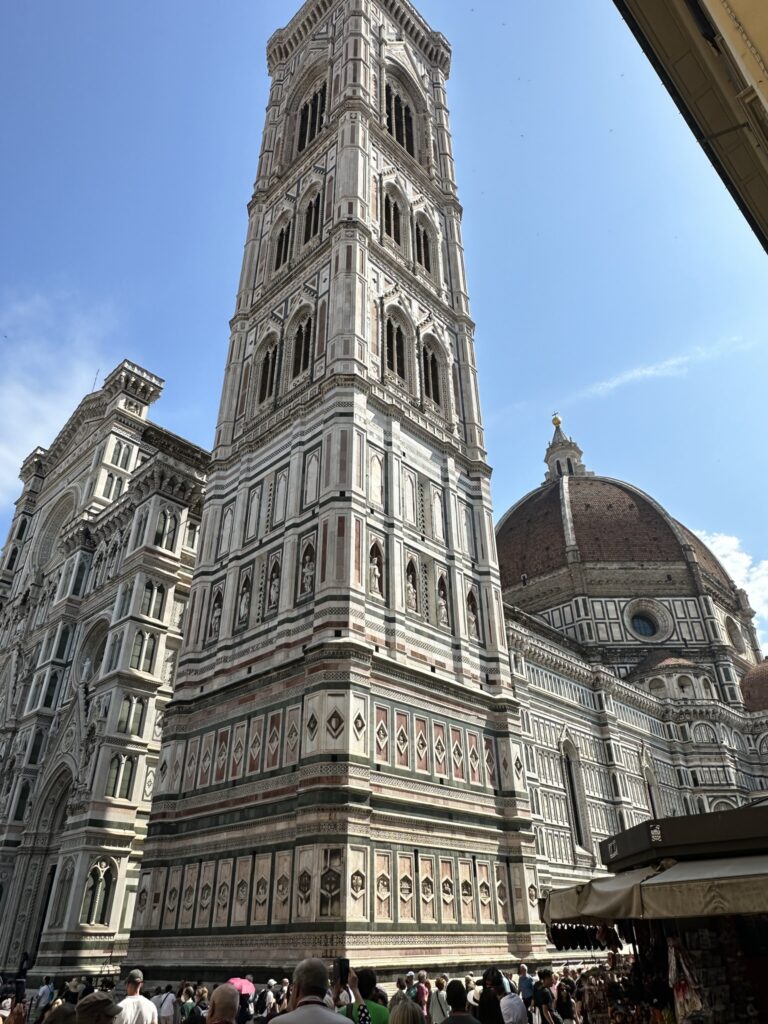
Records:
x=310, y=997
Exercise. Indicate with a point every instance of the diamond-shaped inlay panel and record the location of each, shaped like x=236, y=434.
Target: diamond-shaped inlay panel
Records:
x=359, y=725
x=518, y=766
x=293, y=737
x=402, y=740
x=439, y=750
x=335, y=724
x=274, y=739
x=381, y=735
x=458, y=755
x=312, y=725
x=421, y=744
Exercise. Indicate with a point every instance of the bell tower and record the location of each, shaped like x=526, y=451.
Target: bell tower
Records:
x=341, y=761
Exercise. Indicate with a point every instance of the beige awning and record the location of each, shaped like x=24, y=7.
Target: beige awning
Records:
x=733, y=885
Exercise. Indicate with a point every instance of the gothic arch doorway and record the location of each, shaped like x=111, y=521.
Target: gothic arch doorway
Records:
x=51, y=823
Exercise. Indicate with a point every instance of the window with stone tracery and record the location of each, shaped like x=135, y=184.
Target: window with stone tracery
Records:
x=424, y=247
x=430, y=367
x=395, y=345
x=165, y=531
x=267, y=374
x=393, y=219
x=99, y=893
x=310, y=117
x=312, y=218
x=301, y=346
x=399, y=119
x=283, y=246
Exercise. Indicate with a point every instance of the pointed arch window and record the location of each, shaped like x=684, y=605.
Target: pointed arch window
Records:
x=431, y=374
x=62, y=894
x=312, y=218
x=50, y=690
x=571, y=773
x=165, y=531
x=423, y=247
x=143, y=651
x=301, y=346
x=311, y=117
x=138, y=717
x=125, y=715
x=126, y=456
x=82, y=570
x=22, y=801
x=22, y=528
x=283, y=246
x=109, y=483
x=112, y=776
x=37, y=746
x=395, y=341
x=126, y=779
x=399, y=120
x=245, y=377
x=267, y=374
x=12, y=559
x=99, y=891
x=393, y=219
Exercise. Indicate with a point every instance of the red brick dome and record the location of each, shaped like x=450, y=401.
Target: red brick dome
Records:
x=754, y=687
x=595, y=520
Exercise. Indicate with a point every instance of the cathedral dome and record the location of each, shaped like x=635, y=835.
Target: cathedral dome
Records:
x=754, y=688
x=601, y=530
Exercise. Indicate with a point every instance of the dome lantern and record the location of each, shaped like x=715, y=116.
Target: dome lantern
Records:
x=563, y=455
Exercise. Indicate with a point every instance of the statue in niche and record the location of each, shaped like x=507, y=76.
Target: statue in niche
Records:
x=442, y=605
x=244, y=604
x=410, y=588
x=374, y=573
x=307, y=574
x=472, y=619
x=274, y=587
x=215, y=626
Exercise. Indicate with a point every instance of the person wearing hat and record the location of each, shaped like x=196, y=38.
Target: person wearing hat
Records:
x=137, y=1009
x=97, y=1008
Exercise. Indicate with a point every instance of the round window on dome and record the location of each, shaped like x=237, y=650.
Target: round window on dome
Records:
x=644, y=625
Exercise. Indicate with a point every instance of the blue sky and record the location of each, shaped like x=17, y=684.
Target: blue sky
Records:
x=611, y=275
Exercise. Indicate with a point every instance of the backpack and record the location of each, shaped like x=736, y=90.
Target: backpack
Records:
x=260, y=1007
x=413, y=993
x=244, y=1009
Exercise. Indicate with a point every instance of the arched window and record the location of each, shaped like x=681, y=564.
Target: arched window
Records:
x=112, y=776
x=125, y=714
x=12, y=558
x=245, y=377
x=146, y=601
x=141, y=528
x=301, y=343
x=109, y=483
x=267, y=374
x=570, y=467
x=50, y=690
x=570, y=771
x=118, y=487
x=159, y=601
x=114, y=651
x=138, y=645
x=165, y=531
x=283, y=246
x=311, y=117
x=424, y=247
x=395, y=339
x=399, y=120
x=82, y=570
x=22, y=528
x=37, y=746
x=312, y=218
x=393, y=226
x=149, y=653
x=99, y=890
x=117, y=451
x=126, y=456
x=22, y=801
x=138, y=716
x=62, y=894
x=126, y=779
x=431, y=371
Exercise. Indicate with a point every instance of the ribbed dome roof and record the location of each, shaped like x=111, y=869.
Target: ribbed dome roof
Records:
x=602, y=520
x=754, y=688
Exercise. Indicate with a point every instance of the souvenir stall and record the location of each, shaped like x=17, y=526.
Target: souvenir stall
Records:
x=686, y=937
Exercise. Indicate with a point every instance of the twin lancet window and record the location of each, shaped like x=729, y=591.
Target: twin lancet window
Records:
x=392, y=220
x=399, y=120
x=312, y=218
x=283, y=247
x=396, y=349
x=301, y=343
x=311, y=117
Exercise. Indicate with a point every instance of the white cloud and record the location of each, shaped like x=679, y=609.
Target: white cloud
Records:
x=674, y=366
x=51, y=347
x=745, y=572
